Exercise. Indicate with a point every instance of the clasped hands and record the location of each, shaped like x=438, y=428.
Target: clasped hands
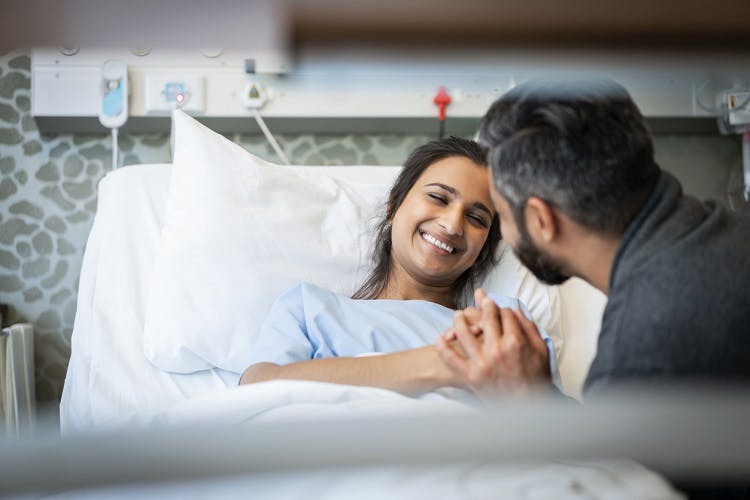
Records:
x=494, y=350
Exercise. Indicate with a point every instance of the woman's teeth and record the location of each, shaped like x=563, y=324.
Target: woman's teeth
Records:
x=431, y=239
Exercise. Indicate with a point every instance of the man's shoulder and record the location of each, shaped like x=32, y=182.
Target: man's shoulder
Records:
x=684, y=318
x=701, y=257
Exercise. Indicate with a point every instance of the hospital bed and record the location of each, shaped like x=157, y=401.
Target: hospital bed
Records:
x=155, y=361
x=116, y=367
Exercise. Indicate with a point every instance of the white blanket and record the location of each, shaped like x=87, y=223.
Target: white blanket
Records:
x=310, y=402
x=614, y=480
x=284, y=400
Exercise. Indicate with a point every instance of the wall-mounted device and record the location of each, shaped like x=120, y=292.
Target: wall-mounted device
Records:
x=113, y=110
x=733, y=117
x=254, y=95
x=330, y=91
x=165, y=92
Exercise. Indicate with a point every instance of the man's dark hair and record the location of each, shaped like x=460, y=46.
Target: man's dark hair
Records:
x=582, y=147
x=419, y=160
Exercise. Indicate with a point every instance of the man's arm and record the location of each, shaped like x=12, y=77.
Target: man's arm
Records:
x=410, y=372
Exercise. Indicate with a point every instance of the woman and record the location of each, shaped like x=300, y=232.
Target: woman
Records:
x=437, y=240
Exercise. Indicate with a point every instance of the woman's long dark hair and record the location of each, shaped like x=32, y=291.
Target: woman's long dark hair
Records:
x=419, y=160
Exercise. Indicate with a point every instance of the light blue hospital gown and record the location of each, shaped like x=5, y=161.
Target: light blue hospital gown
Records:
x=309, y=322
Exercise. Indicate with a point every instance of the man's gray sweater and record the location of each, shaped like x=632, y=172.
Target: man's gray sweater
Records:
x=679, y=296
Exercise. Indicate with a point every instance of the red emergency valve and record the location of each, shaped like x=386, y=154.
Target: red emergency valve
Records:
x=441, y=100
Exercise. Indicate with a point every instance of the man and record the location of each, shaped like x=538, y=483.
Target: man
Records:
x=578, y=193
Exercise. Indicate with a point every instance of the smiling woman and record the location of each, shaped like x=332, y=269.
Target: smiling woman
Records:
x=445, y=183
x=439, y=233
x=437, y=239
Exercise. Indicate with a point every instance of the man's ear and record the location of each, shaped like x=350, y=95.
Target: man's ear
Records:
x=541, y=222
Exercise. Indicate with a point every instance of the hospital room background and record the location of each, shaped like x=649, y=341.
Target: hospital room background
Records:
x=48, y=194
x=51, y=163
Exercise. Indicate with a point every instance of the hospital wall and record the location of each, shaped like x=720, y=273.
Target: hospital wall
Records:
x=48, y=199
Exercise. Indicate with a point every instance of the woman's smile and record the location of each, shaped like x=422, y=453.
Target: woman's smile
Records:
x=440, y=245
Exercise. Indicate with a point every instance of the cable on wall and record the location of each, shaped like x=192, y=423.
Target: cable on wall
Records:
x=254, y=97
x=269, y=137
x=115, y=148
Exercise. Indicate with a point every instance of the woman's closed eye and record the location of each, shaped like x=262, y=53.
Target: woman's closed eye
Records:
x=439, y=198
x=442, y=199
x=478, y=219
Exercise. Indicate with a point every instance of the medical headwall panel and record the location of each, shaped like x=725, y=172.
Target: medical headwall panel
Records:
x=337, y=90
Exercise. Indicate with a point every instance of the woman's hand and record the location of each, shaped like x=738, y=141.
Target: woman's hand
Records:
x=500, y=350
x=473, y=316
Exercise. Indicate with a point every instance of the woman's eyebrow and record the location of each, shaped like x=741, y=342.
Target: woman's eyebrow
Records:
x=450, y=189
x=477, y=204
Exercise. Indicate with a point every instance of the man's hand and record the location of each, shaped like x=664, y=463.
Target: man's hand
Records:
x=496, y=350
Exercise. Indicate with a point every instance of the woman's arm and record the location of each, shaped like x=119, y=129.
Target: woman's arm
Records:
x=410, y=372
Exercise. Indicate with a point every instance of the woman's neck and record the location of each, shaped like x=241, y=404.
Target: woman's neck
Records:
x=408, y=289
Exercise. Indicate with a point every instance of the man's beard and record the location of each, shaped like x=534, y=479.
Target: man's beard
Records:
x=542, y=266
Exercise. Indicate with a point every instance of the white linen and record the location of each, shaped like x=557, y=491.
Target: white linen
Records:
x=110, y=383
x=289, y=400
x=107, y=373
x=303, y=401
x=239, y=232
x=613, y=480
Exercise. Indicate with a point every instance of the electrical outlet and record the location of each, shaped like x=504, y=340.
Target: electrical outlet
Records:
x=166, y=92
x=254, y=95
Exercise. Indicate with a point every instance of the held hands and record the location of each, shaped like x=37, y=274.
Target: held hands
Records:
x=494, y=350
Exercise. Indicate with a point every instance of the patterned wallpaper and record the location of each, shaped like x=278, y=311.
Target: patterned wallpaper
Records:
x=48, y=200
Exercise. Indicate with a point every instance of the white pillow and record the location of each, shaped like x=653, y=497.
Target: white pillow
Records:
x=240, y=231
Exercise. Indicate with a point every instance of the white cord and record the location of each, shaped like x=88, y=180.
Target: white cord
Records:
x=115, y=149
x=270, y=137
